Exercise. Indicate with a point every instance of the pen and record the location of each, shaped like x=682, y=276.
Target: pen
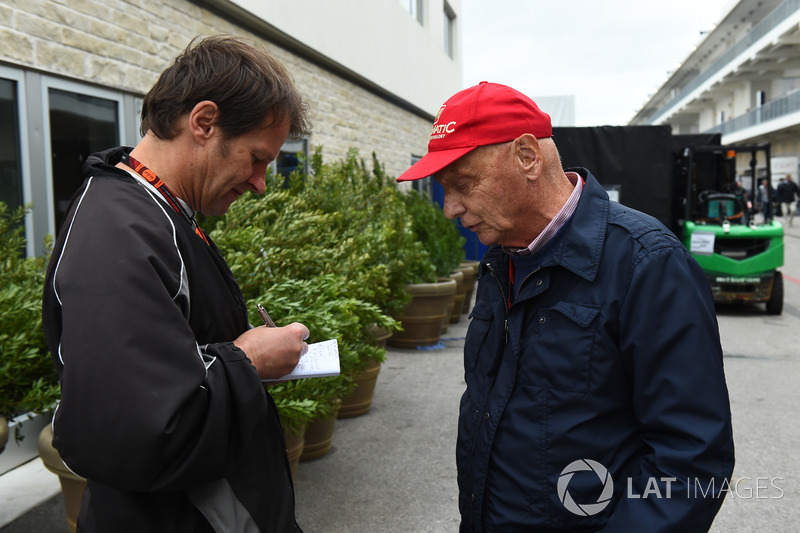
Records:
x=265, y=317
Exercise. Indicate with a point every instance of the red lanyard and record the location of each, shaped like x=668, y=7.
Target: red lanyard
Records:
x=156, y=182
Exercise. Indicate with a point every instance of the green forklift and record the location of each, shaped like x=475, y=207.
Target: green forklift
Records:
x=738, y=250
x=689, y=183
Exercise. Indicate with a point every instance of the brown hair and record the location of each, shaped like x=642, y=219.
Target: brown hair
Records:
x=246, y=82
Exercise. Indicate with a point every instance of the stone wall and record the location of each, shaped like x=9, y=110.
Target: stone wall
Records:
x=124, y=45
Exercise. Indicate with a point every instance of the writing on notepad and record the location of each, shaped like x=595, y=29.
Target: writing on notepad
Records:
x=321, y=359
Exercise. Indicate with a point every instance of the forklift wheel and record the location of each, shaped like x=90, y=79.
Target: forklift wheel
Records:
x=775, y=302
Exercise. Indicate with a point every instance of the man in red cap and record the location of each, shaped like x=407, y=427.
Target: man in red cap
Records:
x=596, y=397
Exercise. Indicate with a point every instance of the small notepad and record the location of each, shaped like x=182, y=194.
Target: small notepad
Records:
x=321, y=359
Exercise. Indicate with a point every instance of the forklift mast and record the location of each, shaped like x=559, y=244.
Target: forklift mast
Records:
x=705, y=169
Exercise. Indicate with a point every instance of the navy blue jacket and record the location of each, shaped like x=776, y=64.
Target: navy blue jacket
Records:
x=597, y=401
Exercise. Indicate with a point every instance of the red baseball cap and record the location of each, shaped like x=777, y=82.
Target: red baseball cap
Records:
x=488, y=113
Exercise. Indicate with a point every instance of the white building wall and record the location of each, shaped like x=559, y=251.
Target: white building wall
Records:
x=376, y=39
x=742, y=99
x=707, y=119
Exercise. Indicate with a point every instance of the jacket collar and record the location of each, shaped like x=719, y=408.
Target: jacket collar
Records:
x=580, y=247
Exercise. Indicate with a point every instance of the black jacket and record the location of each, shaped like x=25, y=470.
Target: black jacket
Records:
x=786, y=192
x=164, y=416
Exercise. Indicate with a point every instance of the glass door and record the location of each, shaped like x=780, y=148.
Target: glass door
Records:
x=80, y=124
x=11, y=185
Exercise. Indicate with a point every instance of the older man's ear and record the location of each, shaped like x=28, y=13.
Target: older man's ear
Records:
x=528, y=154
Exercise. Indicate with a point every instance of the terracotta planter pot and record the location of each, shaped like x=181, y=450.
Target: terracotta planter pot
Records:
x=459, y=275
x=71, y=485
x=423, y=317
x=23, y=439
x=318, y=437
x=359, y=401
x=449, y=312
x=294, y=447
x=470, y=278
x=3, y=432
x=379, y=334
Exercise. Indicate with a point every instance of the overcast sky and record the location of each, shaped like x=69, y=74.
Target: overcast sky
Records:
x=609, y=54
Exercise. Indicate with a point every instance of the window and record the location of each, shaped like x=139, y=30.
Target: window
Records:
x=68, y=121
x=414, y=8
x=449, y=30
x=424, y=185
x=15, y=186
x=48, y=127
x=293, y=154
x=80, y=125
x=10, y=153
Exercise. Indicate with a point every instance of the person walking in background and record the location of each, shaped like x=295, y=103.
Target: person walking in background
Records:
x=776, y=198
x=592, y=360
x=741, y=194
x=162, y=406
x=787, y=194
x=764, y=198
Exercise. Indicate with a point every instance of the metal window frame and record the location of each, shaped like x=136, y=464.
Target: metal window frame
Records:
x=449, y=31
x=18, y=76
x=49, y=82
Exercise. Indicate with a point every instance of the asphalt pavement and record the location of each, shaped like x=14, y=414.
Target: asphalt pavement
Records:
x=762, y=368
x=393, y=469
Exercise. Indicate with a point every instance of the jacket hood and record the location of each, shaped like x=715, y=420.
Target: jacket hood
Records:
x=104, y=159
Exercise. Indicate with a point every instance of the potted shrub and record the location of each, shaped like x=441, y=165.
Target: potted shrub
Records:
x=302, y=251
x=438, y=234
x=384, y=256
x=28, y=380
x=444, y=244
x=435, y=299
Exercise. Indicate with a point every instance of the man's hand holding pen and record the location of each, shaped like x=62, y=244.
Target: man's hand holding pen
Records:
x=265, y=317
x=274, y=351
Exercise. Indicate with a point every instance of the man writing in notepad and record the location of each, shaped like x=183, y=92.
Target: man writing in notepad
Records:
x=163, y=409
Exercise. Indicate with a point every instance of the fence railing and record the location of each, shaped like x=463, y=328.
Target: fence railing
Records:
x=760, y=29
x=769, y=111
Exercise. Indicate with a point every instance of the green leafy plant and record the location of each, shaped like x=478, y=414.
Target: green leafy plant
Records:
x=375, y=222
x=309, y=256
x=438, y=234
x=333, y=249
x=28, y=380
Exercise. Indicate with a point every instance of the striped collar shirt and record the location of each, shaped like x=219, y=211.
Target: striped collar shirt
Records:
x=558, y=221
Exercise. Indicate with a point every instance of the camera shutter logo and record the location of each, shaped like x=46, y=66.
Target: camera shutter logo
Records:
x=585, y=509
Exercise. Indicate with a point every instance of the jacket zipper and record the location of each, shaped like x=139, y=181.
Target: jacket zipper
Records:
x=505, y=299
